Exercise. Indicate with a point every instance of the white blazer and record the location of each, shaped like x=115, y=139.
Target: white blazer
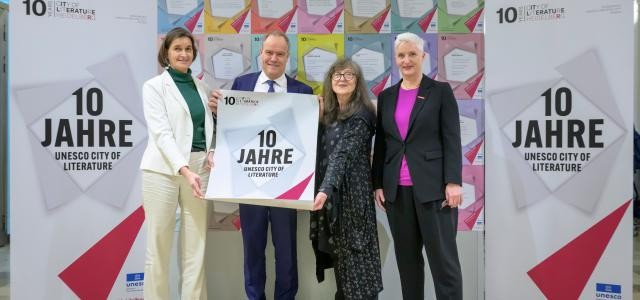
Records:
x=169, y=124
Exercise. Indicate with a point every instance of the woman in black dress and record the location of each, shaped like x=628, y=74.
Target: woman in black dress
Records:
x=343, y=225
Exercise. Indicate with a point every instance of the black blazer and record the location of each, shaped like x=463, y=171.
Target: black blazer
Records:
x=247, y=82
x=432, y=146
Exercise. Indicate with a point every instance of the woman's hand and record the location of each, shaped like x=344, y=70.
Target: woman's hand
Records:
x=453, y=195
x=209, y=163
x=194, y=181
x=319, y=201
x=379, y=196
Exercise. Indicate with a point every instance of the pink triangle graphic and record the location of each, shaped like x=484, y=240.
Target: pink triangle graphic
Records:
x=378, y=87
x=471, y=23
x=295, y=192
x=283, y=23
x=471, y=219
x=462, y=226
x=236, y=222
x=473, y=152
x=191, y=22
x=331, y=22
x=237, y=23
x=424, y=23
x=471, y=88
x=467, y=217
x=564, y=274
x=377, y=23
x=93, y=274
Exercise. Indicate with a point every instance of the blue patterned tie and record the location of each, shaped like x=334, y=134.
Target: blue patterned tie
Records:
x=271, y=89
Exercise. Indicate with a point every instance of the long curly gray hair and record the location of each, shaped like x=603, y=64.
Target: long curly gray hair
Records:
x=359, y=98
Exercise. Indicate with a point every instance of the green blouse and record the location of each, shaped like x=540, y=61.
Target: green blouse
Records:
x=189, y=92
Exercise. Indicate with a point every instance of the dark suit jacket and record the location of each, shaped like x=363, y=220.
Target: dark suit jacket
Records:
x=432, y=146
x=247, y=82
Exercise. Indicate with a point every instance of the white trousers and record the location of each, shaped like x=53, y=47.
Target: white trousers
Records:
x=161, y=195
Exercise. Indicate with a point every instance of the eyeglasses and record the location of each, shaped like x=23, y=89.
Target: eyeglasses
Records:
x=347, y=76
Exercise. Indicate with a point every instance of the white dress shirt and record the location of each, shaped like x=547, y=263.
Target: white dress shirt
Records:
x=280, y=85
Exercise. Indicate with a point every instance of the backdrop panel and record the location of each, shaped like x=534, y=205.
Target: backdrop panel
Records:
x=77, y=135
x=559, y=80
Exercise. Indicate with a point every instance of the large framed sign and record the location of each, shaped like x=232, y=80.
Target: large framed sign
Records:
x=559, y=139
x=77, y=136
x=265, y=149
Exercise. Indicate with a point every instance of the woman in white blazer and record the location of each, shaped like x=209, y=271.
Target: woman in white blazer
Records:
x=175, y=168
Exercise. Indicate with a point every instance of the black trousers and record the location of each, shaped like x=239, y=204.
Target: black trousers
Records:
x=429, y=225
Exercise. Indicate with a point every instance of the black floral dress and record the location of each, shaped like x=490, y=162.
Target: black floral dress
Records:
x=343, y=232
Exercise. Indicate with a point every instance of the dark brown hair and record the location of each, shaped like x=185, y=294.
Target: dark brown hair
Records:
x=359, y=99
x=171, y=36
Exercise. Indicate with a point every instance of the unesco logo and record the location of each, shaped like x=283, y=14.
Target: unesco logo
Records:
x=605, y=291
x=59, y=9
x=531, y=12
x=135, y=282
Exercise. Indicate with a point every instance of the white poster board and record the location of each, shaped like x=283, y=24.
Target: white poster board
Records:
x=265, y=149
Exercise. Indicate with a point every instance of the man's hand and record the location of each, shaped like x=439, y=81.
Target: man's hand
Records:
x=213, y=101
x=321, y=103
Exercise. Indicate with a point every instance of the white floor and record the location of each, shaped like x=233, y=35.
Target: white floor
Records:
x=4, y=270
x=4, y=273
x=636, y=267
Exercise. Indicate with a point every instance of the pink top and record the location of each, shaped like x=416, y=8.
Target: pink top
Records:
x=406, y=100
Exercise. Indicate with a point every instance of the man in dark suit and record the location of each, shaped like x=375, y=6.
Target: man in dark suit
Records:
x=254, y=220
x=417, y=169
